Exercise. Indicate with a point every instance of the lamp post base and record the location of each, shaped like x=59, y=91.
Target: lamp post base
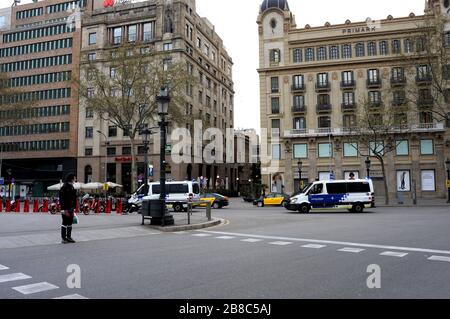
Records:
x=168, y=220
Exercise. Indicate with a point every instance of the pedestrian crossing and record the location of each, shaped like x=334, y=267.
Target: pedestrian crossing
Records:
x=401, y=253
x=30, y=289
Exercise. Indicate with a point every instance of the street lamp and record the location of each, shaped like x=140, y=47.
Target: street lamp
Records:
x=447, y=166
x=163, y=101
x=300, y=166
x=106, y=163
x=147, y=131
x=368, y=167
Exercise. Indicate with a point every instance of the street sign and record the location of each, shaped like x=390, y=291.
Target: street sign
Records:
x=2, y=181
x=168, y=149
x=150, y=170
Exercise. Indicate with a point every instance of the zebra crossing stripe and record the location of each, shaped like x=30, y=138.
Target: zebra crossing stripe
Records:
x=13, y=277
x=3, y=267
x=35, y=288
x=75, y=296
x=394, y=254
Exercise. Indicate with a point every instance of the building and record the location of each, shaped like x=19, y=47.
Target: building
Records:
x=311, y=79
x=165, y=26
x=39, y=53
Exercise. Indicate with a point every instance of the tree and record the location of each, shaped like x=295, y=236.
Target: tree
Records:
x=377, y=127
x=11, y=104
x=123, y=90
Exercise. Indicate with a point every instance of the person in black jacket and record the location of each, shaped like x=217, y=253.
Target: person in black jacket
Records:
x=68, y=202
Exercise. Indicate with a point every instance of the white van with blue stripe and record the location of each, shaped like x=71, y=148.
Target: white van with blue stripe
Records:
x=352, y=195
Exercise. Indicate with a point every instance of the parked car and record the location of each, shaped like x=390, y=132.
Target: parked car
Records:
x=272, y=199
x=178, y=194
x=217, y=201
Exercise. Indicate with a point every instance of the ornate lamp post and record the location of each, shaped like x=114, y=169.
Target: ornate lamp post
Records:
x=447, y=166
x=300, y=166
x=368, y=163
x=163, y=101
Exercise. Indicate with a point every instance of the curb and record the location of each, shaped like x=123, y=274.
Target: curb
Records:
x=171, y=229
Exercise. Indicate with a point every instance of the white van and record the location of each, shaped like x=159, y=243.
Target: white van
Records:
x=353, y=195
x=177, y=193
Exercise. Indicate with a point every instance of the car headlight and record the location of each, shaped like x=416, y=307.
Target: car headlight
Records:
x=293, y=200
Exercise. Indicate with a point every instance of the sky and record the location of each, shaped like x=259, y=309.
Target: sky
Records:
x=235, y=22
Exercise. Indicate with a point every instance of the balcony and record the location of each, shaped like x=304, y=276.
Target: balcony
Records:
x=425, y=103
x=373, y=83
x=348, y=84
x=298, y=87
x=398, y=81
x=323, y=87
x=348, y=107
x=323, y=108
x=424, y=79
x=299, y=109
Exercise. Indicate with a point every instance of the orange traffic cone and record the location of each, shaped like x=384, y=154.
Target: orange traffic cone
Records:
x=26, y=206
x=36, y=206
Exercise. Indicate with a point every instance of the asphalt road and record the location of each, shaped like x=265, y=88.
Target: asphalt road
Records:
x=259, y=253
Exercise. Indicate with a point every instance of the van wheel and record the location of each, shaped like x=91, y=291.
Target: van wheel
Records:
x=304, y=209
x=178, y=208
x=358, y=208
x=260, y=204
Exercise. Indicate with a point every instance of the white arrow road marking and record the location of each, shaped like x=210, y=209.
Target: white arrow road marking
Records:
x=280, y=243
x=13, y=277
x=394, y=254
x=75, y=296
x=225, y=237
x=439, y=258
x=3, y=267
x=331, y=242
x=352, y=250
x=35, y=288
x=251, y=240
x=314, y=246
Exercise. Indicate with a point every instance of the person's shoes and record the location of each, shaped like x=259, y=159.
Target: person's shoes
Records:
x=64, y=241
x=71, y=241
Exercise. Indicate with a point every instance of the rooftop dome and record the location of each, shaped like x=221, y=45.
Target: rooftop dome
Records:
x=281, y=4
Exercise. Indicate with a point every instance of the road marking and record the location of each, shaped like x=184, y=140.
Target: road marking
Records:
x=225, y=237
x=3, y=267
x=352, y=250
x=331, y=242
x=251, y=240
x=180, y=232
x=394, y=254
x=439, y=258
x=13, y=277
x=35, y=288
x=75, y=296
x=280, y=243
x=201, y=235
x=314, y=246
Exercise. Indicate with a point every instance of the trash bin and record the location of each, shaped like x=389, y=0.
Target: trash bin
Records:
x=153, y=209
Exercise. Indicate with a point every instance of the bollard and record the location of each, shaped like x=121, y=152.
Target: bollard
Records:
x=119, y=207
x=208, y=211
x=17, y=206
x=8, y=206
x=108, y=207
x=26, y=206
x=45, y=206
x=189, y=212
x=36, y=206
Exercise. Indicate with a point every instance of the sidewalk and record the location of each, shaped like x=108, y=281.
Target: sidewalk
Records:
x=408, y=202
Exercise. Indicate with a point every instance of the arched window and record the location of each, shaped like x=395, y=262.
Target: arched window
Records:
x=334, y=52
x=360, y=50
x=383, y=48
x=309, y=54
x=297, y=55
x=372, y=48
x=88, y=174
x=321, y=53
x=347, y=51
x=408, y=46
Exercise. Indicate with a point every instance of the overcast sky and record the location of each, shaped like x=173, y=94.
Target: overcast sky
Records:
x=235, y=22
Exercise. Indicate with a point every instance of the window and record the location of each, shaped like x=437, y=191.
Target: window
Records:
x=421, y=44
x=276, y=127
x=396, y=47
x=428, y=180
x=92, y=56
x=423, y=72
x=299, y=101
x=298, y=82
x=324, y=122
x=111, y=151
x=148, y=29
x=398, y=74
x=89, y=112
x=322, y=79
x=112, y=131
x=321, y=53
x=384, y=48
x=276, y=151
x=275, y=105
x=360, y=50
x=376, y=148
x=337, y=188
x=347, y=51
x=347, y=78
x=167, y=46
x=275, y=56
x=300, y=150
x=274, y=84
x=402, y=148
x=399, y=98
x=325, y=150
x=375, y=98
x=297, y=55
x=408, y=46
x=334, y=52
x=309, y=54
x=126, y=130
x=89, y=132
x=299, y=123
x=117, y=35
x=348, y=98
x=167, y=64
x=372, y=75
x=126, y=150
x=350, y=149
x=349, y=121
x=92, y=38
x=425, y=118
x=372, y=48
x=426, y=147
x=88, y=151
x=132, y=33
x=446, y=39
x=90, y=93
x=323, y=99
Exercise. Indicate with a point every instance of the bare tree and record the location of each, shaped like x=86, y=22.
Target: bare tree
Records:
x=12, y=106
x=123, y=90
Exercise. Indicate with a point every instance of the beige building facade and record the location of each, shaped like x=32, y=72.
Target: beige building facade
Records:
x=311, y=81
x=170, y=27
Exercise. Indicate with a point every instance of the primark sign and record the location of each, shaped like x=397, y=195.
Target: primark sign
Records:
x=371, y=26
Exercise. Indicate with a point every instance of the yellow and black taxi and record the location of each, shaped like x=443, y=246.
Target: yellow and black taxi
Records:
x=272, y=199
x=217, y=201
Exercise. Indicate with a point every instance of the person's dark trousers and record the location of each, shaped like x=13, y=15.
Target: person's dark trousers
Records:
x=66, y=227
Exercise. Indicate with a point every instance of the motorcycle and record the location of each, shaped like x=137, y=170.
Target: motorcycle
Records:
x=134, y=204
x=90, y=204
x=55, y=206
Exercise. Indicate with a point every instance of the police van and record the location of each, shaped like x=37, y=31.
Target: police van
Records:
x=353, y=195
x=178, y=194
